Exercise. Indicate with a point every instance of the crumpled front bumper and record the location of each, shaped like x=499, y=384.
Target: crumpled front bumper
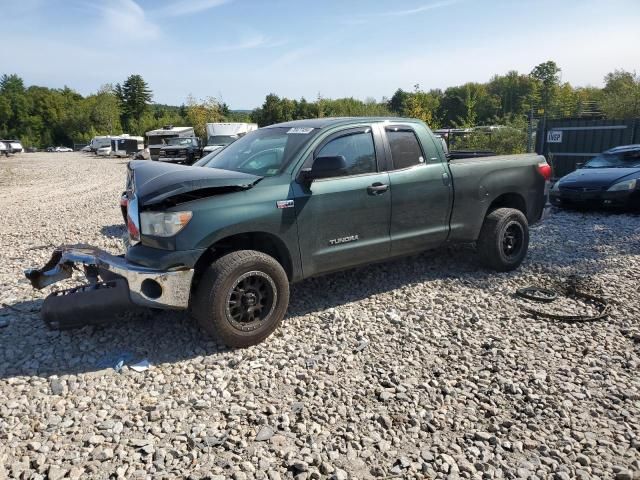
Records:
x=168, y=289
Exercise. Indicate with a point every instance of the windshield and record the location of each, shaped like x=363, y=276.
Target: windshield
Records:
x=615, y=160
x=179, y=141
x=204, y=161
x=159, y=139
x=264, y=152
x=221, y=139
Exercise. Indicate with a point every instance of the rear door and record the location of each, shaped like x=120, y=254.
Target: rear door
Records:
x=344, y=221
x=422, y=192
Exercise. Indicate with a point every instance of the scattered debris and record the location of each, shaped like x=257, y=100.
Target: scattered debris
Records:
x=569, y=289
x=141, y=366
x=115, y=360
x=537, y=294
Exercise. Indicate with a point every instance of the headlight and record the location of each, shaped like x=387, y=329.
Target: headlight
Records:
x=623, y=186
x=163, y=224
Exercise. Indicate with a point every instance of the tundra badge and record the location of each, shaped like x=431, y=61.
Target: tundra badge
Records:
x=338, y=241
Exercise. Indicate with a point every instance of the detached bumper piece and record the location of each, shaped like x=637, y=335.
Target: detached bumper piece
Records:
x=166, y=289
x=90, y=304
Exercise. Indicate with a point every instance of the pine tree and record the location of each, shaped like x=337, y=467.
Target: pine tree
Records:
x=134, y=96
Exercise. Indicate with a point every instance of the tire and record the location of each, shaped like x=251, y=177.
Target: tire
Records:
x=504, y=239
x=241, y=298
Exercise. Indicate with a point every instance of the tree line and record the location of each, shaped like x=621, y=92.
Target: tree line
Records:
x=41, y=116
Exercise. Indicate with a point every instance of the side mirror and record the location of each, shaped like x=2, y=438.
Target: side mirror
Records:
x=326, y=167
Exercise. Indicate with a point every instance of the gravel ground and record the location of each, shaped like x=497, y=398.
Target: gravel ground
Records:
x=420, y=368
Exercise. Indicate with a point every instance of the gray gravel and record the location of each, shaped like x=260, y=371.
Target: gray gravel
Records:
x=420, y=368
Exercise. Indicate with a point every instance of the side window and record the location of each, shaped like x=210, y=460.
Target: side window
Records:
x=405, y=149
x=356, y=148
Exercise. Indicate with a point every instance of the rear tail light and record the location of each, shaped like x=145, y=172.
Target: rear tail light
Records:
x=134, y=233
x=544, y=169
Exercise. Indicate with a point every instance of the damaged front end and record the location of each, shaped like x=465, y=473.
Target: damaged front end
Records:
x=115, y=285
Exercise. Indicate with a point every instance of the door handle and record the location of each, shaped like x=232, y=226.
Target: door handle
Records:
x=377, y=188
x=445, y=179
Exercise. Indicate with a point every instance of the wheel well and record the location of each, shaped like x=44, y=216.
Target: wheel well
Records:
x=509, y=200
x=260, y=241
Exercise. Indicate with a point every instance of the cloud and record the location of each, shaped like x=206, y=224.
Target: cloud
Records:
x=128, y=18
x=187, y=7
x=366, y=18
x=250, y=42
x=420, y=9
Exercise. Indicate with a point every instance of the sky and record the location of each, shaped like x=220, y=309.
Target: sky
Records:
x=241, y=50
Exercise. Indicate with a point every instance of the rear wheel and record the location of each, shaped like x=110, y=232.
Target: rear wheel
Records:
x=242, y=298
x=504, y=239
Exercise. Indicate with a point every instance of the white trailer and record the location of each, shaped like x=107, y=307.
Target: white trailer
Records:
x=100, y=142
x=126, y=145
x=222, y=134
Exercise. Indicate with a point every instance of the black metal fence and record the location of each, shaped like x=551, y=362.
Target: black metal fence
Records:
x=568, y=142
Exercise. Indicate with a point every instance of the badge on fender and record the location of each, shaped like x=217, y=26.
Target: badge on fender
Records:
x=285, y=204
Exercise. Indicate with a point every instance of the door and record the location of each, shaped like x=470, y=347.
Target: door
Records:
x=344, y=221
x=421, y=200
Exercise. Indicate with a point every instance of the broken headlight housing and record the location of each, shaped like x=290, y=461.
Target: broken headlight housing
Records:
x=163, y=224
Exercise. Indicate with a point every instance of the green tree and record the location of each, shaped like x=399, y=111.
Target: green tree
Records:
x=104, y=110
x=134, y=96
x=547, y=75
x=201, y=112
x=398, y=101
x=513, y=91
x=421, y=105
x=621, y=95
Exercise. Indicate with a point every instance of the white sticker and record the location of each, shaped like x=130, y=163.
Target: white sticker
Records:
x=301, y=130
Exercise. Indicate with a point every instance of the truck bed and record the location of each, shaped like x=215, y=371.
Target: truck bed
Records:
x=481, y=182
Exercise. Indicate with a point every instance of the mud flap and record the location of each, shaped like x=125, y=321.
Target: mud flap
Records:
x=97, y=303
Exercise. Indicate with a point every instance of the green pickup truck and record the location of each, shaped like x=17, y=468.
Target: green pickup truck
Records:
x=292, y=201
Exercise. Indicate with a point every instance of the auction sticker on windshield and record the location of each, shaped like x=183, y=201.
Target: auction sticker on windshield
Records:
x=302, y=130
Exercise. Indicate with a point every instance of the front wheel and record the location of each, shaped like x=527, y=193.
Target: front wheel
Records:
x=242, y=298
x=504, y=239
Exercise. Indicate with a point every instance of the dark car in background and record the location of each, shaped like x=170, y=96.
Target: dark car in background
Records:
x=611, y=179
x=185, y=150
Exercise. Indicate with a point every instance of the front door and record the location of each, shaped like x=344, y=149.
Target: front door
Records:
x=344, y=221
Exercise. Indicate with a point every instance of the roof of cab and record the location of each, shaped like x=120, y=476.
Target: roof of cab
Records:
x=333, y=121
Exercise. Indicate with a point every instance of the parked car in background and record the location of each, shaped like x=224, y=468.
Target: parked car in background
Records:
x=611, y=179
x=156, y=139
x=222, y=134
x=63, y=149
x=181, y=150
x=86, y=148
x=104, y=151
x=3, y=149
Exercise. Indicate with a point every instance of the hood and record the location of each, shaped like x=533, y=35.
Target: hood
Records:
x=597, y=177
x=157, y=182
